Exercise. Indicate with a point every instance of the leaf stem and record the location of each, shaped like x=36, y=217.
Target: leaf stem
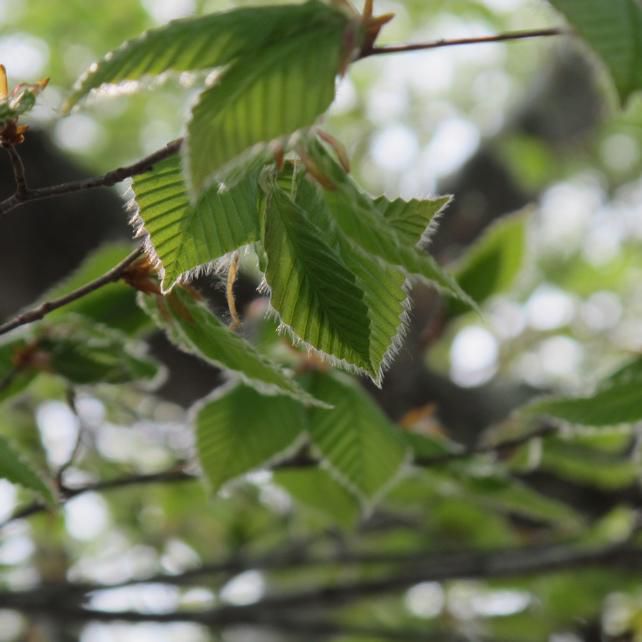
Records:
x=439, y=44
x=39, y=312
x=232, y=273
x=19, y=173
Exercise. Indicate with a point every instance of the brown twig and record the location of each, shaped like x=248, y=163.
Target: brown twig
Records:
x=106, y=180
x=479, y=40
x=19, y=173
x=39, y=312
x=232, y=274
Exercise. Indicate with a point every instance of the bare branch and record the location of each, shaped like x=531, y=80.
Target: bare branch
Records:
x=106, y=180
x=439, y=44
x=41, y=311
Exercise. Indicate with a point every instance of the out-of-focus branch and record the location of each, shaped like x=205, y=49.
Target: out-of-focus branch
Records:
x=19, y=174
x=299, y=460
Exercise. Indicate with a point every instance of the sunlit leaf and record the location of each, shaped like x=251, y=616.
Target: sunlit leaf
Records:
x=239, y=430
x=314, y=293
x=199, y=43
x=183, y=237
x=266, y=97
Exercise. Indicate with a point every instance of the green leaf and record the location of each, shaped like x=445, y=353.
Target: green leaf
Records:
x=183, y=237
x=89, y=353
x=268, y=96
x=238, y=430
x=198, y=43
x=15, y=469
x=21, y=100
x=357, y=217
x=114, y=304
x=493, y=262
x=314, y=293
x=193, y=328
x=613, y=30
x=617, y=404
x=316, y=489
x=359, y=445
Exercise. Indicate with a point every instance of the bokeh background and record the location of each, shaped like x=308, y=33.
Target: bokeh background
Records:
x=530, y=126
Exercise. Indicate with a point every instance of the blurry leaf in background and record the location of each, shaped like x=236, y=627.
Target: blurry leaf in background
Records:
x=239, y=430
x=613, y=30
x=13, y=378
x=491, y=265
x=114, y=304
x=15, y=469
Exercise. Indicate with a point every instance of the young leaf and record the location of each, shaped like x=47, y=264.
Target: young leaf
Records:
x=238, y=430
x=613, y=30
x=15, y=469
x=357, y=217
x=315, y=295
x=193, y=328
x=199, y=43
x=183, y=237
x=265, y=97
x=356, y=441
x=493, y=263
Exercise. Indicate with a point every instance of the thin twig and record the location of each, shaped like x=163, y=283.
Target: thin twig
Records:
x=439, y=44
x=106, y=180
x=19, y=173
x=39, y=312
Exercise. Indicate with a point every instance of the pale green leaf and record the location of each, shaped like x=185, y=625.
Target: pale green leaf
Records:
x=183, y=237
x=265, y=97
x=361, y=447
x=239, y=430
x=493, y=262
x=15, y=469
x=200, y=43
x=357, y=217
x=313, y=292
x=613, y=29
x=193, y=328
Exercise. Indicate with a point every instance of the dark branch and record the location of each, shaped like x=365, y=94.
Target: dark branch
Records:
x=41, y=311
x=439, y=44
x=416, y=568
x=106, y=180
x=19, y=174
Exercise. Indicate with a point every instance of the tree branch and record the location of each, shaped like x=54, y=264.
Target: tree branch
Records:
x=106, y=180
x=418, y=567
x=39, y=312
x=439, y=44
